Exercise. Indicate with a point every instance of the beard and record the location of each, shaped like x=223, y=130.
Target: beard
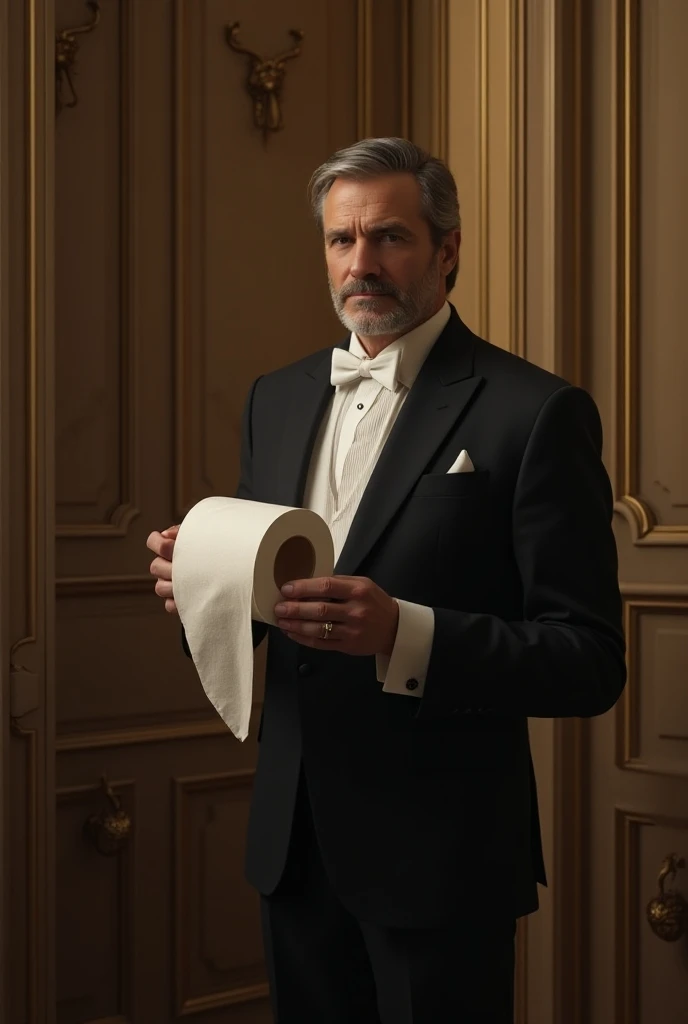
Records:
x=413, y=306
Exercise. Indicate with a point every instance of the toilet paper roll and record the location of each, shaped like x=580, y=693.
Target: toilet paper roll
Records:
x=231, y=558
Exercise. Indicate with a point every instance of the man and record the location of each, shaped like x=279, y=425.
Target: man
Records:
x=394, y=832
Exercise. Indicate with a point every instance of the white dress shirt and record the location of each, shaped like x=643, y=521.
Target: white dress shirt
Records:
x=352, y=435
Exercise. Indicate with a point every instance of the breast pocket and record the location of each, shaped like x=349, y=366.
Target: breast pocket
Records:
x=452, y=485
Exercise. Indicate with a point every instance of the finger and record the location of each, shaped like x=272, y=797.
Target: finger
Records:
x=315, y=642
x=171, y=607
x=155, y=541
x=161, y=546
x=314, y=611
x=161, y=568
x=164, y=589
x=325, y=587
x=313, y=630
x=171, y=532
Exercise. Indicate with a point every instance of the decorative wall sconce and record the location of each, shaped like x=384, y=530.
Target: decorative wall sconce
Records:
x=66, y=51
x=265, y=80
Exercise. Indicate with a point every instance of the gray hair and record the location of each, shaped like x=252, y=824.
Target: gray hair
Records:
x=371, y=158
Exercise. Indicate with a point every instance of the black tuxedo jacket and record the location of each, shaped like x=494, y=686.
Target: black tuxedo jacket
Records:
x=426, y=806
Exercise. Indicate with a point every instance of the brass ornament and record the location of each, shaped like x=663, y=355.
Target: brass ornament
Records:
x=66, y=51
x=265, y=80
x=110, y=830
x=667, y=913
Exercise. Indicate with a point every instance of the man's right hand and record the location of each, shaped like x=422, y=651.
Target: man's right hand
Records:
x=162, y=545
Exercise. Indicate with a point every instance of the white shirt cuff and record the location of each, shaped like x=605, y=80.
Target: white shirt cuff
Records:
x=405, y=670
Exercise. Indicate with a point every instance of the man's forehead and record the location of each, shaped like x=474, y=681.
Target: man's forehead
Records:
x=391, y=197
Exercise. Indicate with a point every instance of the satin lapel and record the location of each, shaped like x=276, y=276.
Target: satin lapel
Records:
x=310, y=392
x=439, y=396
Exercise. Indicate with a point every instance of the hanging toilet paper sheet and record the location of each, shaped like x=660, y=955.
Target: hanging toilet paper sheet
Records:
x=231, y=558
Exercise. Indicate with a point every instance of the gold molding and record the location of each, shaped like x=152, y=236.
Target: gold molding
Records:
x=364, y=65
x=628, y=709
x=629, y=898
x=405, y=83
x=517, y=14
x=644, y=526
x=186, y=1005
x=440, y=86
x=484, y=172
x=163, y=732
x=122, y=516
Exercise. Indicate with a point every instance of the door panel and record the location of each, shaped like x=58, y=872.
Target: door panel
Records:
x=186, y=265
x=639, y=372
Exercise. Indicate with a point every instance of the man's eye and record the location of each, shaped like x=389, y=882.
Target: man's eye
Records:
x=393, y=238
x=341, y=240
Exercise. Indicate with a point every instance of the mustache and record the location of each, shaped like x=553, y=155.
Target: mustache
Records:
x=368, y=288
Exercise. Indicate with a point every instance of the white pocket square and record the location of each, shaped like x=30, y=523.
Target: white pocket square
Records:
x=463, y=464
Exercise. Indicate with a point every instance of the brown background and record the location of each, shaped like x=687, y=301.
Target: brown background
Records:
x=155, y=257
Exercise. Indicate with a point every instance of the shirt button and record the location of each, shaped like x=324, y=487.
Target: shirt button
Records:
x=411, y=684
x=305, y=669
x=360, y=405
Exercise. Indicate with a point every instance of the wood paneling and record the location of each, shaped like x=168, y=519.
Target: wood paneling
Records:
x=96, y=282
x=187, y=263
x=219, y=955
x=96, y=910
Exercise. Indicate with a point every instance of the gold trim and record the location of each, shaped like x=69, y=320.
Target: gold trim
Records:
x=364, y=65
x=440, y=107
x=120, y=518
x=644, y=527
x=186, y=1005
x=483, y=176
x=628, y=709
x=97, y=739
x=629, y=901
x=405, y=84
x=517, y=14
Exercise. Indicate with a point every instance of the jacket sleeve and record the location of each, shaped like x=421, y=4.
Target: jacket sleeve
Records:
x=244, y=490
x=566, y=657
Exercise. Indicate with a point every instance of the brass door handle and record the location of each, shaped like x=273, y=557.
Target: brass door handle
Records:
x=110, y=830
x=667, y=913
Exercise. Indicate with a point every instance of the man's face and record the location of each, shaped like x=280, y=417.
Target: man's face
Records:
x=385, y=274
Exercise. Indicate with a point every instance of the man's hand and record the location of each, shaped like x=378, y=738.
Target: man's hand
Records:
x=364, y=618
x=162, y=544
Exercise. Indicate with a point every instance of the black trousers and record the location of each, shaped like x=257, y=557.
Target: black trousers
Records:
x=327, y=967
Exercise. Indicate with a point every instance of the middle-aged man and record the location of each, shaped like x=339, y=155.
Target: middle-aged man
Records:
x=394, y=831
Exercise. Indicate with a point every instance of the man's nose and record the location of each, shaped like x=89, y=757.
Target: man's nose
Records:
x=365, y=262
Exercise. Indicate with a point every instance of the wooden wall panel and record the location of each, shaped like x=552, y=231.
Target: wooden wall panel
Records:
x=96, y=323
x=651, y=162
x=187, y=263
x=218, y=942
x=649, y=974
x=652, y=719
x=96, y=910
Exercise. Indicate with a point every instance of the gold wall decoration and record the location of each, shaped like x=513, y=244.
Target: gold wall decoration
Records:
x=66, y=52
x=265, y=79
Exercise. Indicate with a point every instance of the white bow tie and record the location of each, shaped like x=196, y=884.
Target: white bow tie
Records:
x=347, y=367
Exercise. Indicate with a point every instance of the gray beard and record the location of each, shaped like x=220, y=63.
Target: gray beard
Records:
x=414, y=306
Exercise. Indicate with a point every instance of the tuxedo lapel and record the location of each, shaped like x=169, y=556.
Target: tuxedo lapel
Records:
x=441, y=393
x=310, y=393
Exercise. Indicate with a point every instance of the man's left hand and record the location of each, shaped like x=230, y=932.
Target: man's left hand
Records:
x=364, y=618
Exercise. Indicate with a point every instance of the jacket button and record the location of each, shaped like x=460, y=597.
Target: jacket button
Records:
x=411, y=684
x=305, y=669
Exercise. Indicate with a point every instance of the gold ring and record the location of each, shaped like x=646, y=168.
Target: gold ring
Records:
x=327, y=629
